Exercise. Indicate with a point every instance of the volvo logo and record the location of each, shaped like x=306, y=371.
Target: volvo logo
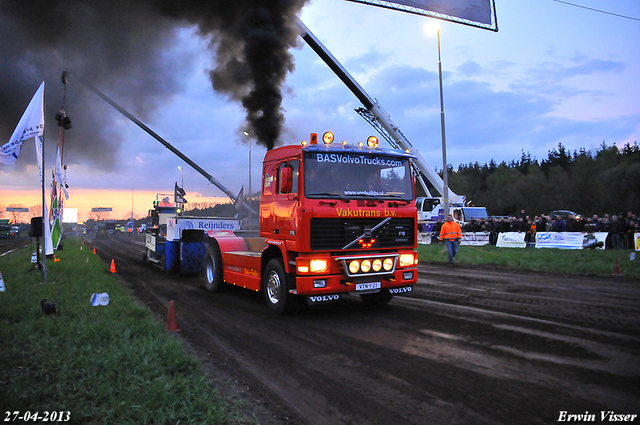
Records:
x=315, y=299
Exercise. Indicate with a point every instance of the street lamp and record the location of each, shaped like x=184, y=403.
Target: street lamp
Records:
x=246, y=133
x=433, y=28
x=182, y=176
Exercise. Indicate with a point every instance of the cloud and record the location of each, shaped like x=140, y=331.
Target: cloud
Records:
x=482, y=122
x=470, y=69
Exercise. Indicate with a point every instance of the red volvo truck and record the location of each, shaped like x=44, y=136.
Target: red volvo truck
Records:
x=334, y=218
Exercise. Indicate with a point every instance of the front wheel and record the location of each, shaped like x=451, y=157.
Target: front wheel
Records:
x=214, y=281
x=276, y=288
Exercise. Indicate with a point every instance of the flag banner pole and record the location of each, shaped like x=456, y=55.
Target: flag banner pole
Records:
x=31, y=124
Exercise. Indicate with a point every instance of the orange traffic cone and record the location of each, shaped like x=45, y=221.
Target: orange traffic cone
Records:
x=616, y=268
x=56, y=259
x=94, y=250
x=113, y=266
x=171, y=318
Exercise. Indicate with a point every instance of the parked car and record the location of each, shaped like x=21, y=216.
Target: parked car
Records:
x=564, y=214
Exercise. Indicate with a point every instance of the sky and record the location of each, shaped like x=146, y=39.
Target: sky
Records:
x=552, y=74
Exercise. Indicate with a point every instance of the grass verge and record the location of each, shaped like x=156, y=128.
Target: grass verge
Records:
x=550, y=260
x=104, y=364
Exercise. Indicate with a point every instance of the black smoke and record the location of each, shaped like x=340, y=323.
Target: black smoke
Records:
x=252, y=39
x=120, y=46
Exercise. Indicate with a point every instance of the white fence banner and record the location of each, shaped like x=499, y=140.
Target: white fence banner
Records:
x=601, y=237
x=511, y=240
x=424, y=238
x=475, y=238
x=636, y=241
x=565, y=240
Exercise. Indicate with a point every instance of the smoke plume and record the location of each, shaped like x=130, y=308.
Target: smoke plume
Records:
x=118, y=46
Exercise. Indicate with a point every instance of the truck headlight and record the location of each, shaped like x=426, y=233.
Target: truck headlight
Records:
x=407, y=260
x=387, y=264
x=354, y=266
x=365, y=266
x=319, y=265
x=377, y=265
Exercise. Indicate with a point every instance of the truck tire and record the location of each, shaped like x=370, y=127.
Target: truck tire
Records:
x=213, y=269
x=276, y=288
x=378, y=299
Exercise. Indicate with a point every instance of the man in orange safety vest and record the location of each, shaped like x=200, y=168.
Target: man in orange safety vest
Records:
x=451, y=234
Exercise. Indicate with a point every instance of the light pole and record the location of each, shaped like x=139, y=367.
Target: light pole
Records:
x=246, y=133
x=182, y=176
x=445, y=189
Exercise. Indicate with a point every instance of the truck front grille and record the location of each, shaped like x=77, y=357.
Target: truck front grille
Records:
x=334, y=233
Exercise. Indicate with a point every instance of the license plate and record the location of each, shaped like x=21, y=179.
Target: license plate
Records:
x=367, y=286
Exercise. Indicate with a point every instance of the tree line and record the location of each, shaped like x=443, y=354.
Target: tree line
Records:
x=598, y=181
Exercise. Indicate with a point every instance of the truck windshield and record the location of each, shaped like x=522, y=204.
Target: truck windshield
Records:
x=350, y=175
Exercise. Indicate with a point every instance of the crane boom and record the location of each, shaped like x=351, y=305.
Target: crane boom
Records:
x=192, y=164
x=376, y=115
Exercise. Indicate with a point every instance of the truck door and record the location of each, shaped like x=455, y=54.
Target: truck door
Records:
x=278, y=205
x=286, y=200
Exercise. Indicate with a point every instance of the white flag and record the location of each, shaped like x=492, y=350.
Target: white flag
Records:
x=60, y=178
x=45, y=213
x=30, y=125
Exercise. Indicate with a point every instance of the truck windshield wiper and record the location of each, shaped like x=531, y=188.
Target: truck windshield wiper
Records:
x=381, y=198
x=397, y=197
x=330, y=196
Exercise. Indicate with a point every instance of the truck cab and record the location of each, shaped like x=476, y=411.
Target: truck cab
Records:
x=334, y=219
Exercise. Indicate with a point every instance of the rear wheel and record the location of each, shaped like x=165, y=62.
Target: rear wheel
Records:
x=378, y=299
x=276, y=288
x=213, y=269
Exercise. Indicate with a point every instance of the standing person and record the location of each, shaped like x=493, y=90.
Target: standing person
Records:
x=615, y=232
x=451, y=234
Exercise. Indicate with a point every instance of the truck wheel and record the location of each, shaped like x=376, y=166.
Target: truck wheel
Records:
x=213, y=269
x=276, y=288
x=378, y=299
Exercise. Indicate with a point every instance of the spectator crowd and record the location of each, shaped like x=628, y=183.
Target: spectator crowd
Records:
x=621, y=228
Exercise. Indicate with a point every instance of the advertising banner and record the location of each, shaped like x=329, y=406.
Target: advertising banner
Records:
x=424, y=238
x=70, y=215
x=596, y=240
x=176, y=225
x=476, y=13
x=564, y=240
x=475, y=238
x=636, y=241
x=511, y=240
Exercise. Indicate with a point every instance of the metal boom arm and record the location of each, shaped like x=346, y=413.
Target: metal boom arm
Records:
x=375, y=114
x=169, y=146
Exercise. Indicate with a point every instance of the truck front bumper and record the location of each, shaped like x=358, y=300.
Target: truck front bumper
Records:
x=336, y=284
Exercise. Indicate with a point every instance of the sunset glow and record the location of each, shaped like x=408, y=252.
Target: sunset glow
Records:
x=85, y=199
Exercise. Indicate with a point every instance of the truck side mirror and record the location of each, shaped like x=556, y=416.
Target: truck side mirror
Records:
x=286, y=179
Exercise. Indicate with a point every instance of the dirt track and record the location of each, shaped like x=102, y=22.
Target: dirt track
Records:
x=469, y=346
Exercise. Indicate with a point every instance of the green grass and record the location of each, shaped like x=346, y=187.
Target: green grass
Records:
x=105, y=364
x=550, y=260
